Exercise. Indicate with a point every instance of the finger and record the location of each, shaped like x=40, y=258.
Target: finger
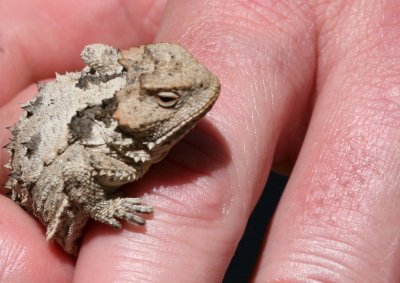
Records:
x=339, y=220
x=38, y=38
x=25, y=256
x=204, y=192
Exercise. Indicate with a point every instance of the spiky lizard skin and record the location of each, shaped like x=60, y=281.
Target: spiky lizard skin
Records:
x=88, y=133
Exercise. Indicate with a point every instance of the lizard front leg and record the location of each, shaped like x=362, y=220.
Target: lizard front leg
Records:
x=91, y=186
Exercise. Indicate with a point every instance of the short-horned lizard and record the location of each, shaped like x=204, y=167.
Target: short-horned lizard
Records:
x=88, y=133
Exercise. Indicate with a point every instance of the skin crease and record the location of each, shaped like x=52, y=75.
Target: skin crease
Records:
x=330, y=68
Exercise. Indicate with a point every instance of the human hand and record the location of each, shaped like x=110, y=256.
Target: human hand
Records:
x=330, y=68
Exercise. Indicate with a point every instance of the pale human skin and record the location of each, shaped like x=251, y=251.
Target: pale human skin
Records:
x=331, y=68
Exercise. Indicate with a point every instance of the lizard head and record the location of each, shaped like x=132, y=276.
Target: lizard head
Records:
x=167, y=92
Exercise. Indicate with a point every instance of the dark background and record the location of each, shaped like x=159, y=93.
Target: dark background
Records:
x=245, y=259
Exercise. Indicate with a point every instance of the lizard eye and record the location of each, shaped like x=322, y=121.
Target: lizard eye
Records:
x=167, y=99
